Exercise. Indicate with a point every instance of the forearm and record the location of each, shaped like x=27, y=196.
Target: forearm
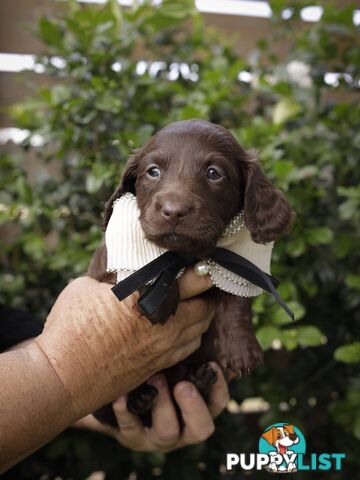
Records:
x=92, y=350
x=34, y=407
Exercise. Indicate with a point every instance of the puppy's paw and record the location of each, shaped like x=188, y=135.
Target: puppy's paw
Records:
x=203, y=377
x=272, y=467
x=243, y=361
x=140, y=400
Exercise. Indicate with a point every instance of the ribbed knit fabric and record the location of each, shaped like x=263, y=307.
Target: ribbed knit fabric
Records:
x=128, y=250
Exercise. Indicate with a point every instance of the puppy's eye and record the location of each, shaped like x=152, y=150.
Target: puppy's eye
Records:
x=153, y=172
x=213, y=174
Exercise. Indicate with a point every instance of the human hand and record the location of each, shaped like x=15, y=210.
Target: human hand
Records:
x=165, y=434
x=101, y=348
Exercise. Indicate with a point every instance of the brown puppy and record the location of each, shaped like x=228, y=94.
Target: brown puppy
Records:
x=190, y=179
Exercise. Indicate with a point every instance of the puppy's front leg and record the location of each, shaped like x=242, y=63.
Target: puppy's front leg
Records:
x=97, y=267
x=236, y=347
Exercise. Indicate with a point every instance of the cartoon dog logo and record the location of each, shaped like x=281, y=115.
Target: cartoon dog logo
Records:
x=281, y=438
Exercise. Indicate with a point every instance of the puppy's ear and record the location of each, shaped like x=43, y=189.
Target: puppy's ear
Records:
x=268, y=214
x=289, y=429
x=269, y=436
x=127, y=184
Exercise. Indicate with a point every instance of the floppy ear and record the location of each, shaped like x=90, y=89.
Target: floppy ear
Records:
x=127, y=184
x=268, y=214
x=289, y=429
x=269, y=436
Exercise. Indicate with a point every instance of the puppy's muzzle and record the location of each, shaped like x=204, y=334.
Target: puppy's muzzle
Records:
x=175, y=210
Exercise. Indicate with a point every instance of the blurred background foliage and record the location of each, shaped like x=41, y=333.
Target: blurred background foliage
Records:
x=118, y=76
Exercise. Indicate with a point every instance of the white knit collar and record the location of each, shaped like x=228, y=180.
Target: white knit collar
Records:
x=128, y=250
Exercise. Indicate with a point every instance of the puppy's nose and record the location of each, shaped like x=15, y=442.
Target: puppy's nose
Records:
x=174, y=210
x=293, y=437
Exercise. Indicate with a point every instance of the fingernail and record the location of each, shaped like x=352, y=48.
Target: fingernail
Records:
x=217, y=370
x=186, y=391
x=120, y=403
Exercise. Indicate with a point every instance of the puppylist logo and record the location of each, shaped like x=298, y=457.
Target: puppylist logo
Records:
x=282, y=449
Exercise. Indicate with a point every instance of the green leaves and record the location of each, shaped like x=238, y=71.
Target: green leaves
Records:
x=266, y=336
x=318, y=235
x=290, y=338
x=295, y=246
x=277, y=6
x=163, y=15
x=285, y=110
x=50, y=32
x=309, y=336
x=177, y=9
x=116, y=13
x=108, y=103
x=353, y=281
x=350, y=208
x=280, y=317
x=345, y=412
x=348, y=353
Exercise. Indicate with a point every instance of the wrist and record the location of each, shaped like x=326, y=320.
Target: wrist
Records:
x=34, y=405
x=40, y=366
x=70, y=370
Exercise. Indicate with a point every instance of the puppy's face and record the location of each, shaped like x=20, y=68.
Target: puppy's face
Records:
x=187, y=190
x=190, y=180
x=281, y=437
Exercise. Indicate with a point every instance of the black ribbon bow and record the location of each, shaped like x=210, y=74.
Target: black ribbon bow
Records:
x=166, y=267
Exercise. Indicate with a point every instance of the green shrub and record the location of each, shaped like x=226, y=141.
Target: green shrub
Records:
x=102, y=104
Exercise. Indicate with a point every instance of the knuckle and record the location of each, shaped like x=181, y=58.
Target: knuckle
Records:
x=127, y=427
x=177, y=356
x=192, y=309
x=120, y=407
x=194, y=345
x=171, y=332
x=167, y=437
x=206, y=433
x=176, y=336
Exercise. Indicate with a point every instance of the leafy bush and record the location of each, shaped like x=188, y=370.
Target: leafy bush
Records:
x=118, y=76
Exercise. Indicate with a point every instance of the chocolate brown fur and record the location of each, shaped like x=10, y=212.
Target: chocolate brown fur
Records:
x=184, y=210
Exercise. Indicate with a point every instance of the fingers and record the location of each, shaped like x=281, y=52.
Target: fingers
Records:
x=165, y=430
x=219, y=394
x=191, y=284
x=165, y=434
x=194, y=331
x=183, y=352
x=192, y=311
x=199, y=424
x=131, y=428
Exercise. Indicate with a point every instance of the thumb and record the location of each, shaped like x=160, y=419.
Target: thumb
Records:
x=190, y=284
